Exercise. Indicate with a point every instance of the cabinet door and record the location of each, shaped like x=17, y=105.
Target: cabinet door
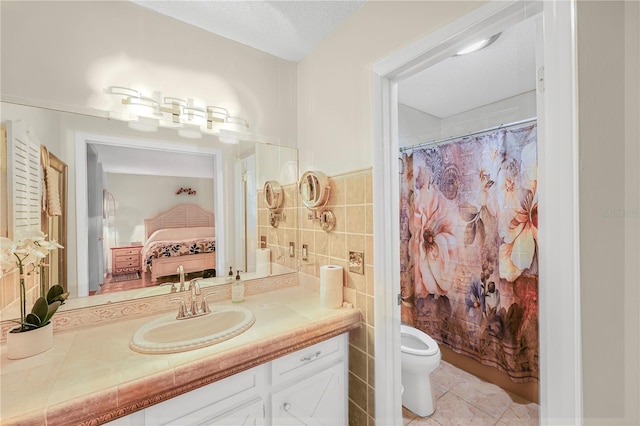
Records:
x=249, y=413
x=316, y=400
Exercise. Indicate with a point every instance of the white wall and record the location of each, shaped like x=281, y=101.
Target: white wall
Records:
x=334, y=107
x=67, y=52
x=418, y=127
x=141, y=197
x=415, y=126
x=609, y=113
x=334, y=81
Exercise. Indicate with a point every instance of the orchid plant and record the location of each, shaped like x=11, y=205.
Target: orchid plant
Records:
x=30, y=248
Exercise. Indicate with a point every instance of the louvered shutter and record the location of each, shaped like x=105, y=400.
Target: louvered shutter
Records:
x=24, y=177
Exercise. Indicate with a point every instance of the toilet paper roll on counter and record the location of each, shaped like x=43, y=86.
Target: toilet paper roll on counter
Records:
x=331, y=282
x=263, y=262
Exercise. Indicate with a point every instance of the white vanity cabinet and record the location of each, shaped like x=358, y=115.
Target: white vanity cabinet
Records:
x=235, y=400
x=317, y=400
x=306, y=387
x=309, y=387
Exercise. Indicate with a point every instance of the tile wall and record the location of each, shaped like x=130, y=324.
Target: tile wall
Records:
x=278, y=239
x=351, y=201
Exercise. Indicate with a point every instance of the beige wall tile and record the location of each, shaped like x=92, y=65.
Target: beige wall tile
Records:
x=361, y=303
x=357, y=416
x=371, y=400
x=356, y=242
x=337, y=245
x=321, y=243
x=368, y=250
x=355, y=186
x=358, y=363
x=369, y=318
x=358, y=391
x=338, y=191
x=368, y=178
x=369, y=219
x=368, y=275
x=356, y=281
x=371, y=371
x=356, y=219
x=370, y=340
x=358, y=338
x=340, y=214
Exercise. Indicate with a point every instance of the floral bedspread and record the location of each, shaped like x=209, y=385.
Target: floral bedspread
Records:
x=177, y=248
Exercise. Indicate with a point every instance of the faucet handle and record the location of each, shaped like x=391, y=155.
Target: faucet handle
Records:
x=205, y=305
x=182, y=310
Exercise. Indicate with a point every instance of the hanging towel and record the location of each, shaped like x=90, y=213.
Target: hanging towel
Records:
x=53, y=193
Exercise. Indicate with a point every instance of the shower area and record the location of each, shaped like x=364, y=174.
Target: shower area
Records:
x=468, y=207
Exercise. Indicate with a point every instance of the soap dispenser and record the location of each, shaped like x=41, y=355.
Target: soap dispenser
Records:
x=237, y=289
x=230, y=275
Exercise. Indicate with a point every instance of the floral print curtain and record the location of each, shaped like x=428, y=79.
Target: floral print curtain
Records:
x=469, y=250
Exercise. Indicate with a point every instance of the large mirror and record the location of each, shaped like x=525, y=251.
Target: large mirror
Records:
x=127, y=190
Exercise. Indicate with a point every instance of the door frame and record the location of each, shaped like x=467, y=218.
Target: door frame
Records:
x=558, y=234
x=82, y=237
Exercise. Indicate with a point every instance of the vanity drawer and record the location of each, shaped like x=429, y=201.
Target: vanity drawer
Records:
x=308, y=359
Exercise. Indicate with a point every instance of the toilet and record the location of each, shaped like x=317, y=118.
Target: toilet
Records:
x=420, y=356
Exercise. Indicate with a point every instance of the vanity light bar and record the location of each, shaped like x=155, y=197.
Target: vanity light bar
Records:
x=218, y=114
x=176, y=113
x=237, y=120
x=141, y=101
x=119, y=90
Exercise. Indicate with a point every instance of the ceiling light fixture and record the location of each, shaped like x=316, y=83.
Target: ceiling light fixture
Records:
x=147, y=113
x=478, y=45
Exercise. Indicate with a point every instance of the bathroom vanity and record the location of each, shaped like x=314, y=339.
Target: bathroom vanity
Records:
x=290, y=367
x=308, y=386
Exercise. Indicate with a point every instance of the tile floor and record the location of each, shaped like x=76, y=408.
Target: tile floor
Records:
x=463, y=399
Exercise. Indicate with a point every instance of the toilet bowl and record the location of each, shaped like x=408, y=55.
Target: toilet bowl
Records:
x=420, y=356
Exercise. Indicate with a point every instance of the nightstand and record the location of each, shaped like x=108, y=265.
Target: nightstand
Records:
x=126, y=259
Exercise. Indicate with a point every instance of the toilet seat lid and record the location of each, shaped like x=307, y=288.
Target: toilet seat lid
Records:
x=415, y=342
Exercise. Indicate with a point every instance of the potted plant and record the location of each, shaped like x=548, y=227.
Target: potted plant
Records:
x=35, y=332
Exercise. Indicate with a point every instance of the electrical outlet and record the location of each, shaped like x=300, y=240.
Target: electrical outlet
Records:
x=292, y=249
x=356, y=262
x=263, y=241
x=305, y=252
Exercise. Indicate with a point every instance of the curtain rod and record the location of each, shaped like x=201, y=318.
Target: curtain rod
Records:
x=490, y=129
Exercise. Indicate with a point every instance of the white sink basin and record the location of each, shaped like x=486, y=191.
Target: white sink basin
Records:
x=167, y=335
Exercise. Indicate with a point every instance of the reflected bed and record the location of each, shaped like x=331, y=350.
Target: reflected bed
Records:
x=183, y=235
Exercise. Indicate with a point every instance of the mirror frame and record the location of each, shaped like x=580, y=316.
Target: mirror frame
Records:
x=273, y=195
x=319, y=185
x=79, y=310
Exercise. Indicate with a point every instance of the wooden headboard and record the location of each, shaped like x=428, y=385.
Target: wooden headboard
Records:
x=180, y=216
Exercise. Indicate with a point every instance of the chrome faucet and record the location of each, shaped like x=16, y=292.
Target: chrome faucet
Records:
x=193, y=310
x=180, y=270
x=194, y=287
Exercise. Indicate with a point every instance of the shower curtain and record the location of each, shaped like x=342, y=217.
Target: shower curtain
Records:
x=469, y=251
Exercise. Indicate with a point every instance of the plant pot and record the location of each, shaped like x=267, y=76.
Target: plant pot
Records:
x=29, y=343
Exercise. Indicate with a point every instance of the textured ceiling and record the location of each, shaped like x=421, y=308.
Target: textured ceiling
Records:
x=502, y=70
x=287, y=29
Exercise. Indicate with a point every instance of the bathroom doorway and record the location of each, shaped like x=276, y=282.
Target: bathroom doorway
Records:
x=554, y=47
x=468, y=146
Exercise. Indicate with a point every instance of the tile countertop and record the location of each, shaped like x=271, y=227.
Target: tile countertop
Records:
x=90, y=376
